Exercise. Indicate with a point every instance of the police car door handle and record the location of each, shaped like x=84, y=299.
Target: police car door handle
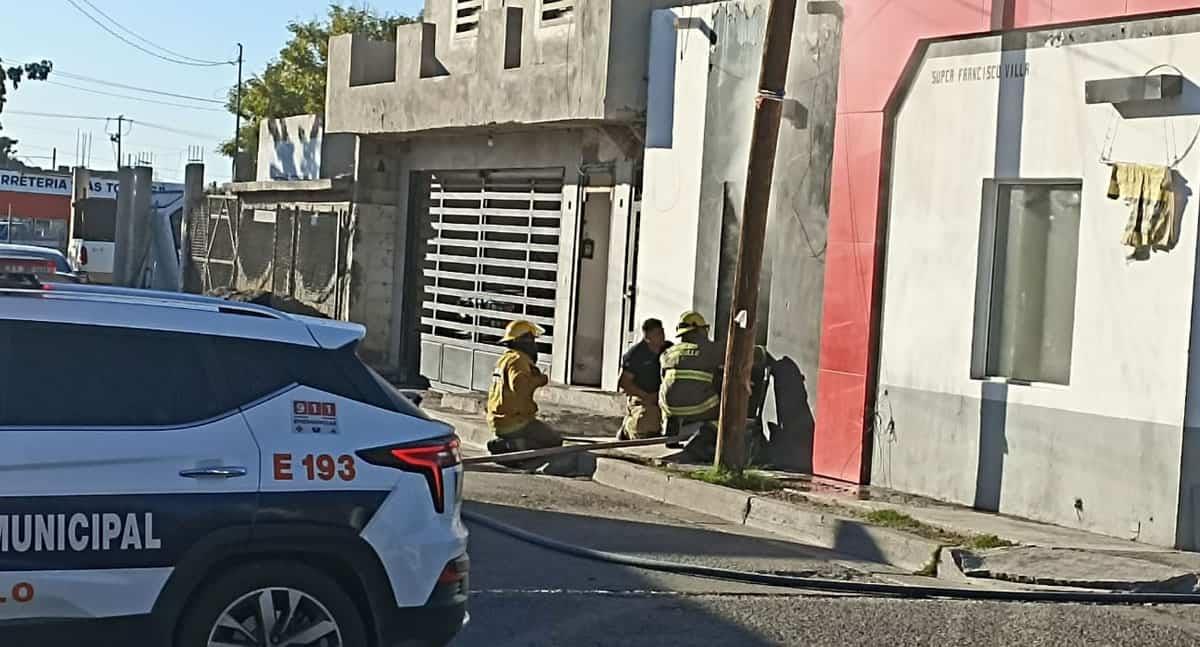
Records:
x=213, y=472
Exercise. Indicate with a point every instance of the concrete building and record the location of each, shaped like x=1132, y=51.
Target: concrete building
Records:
x=502, y=147
x=304, y=232
x=35, y=207
x=987, y=338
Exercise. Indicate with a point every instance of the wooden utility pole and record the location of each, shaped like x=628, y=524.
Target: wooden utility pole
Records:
x=739, y=354
x=237, y=120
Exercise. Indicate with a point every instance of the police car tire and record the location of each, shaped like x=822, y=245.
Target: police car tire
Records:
x=208, y=604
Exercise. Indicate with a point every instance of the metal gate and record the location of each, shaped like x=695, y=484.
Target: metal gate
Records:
x=212, y=237
x=492, y=258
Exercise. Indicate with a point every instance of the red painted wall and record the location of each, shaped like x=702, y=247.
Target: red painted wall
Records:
x=878, y=39
x=35, y=205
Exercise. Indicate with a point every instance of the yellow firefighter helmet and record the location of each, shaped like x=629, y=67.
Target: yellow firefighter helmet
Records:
x=690, y=321
x=520, y=328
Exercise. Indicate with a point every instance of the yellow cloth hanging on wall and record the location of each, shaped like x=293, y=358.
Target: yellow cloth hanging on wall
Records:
x=1148, y=190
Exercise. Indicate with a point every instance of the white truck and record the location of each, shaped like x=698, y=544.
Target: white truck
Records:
x=94, y=233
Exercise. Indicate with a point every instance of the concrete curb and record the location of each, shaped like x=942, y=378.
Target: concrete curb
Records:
x=847, y=536
x=463, y=403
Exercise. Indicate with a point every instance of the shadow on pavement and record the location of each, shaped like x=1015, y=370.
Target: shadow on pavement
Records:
x=530, y=596
x=718, y=547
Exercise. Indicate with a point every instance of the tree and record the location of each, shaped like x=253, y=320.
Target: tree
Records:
x=294, y=82
x=16, y=73
x=8, y=151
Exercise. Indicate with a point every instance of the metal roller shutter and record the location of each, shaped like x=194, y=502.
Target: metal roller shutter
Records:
x=493, y=258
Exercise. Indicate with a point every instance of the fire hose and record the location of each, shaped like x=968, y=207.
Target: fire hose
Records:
x=830, y=586
x=792, y=581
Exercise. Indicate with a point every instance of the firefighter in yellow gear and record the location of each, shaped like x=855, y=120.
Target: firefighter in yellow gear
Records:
x=691, y=371
x=511, y=411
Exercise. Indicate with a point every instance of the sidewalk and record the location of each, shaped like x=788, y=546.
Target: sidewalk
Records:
x=912, y=533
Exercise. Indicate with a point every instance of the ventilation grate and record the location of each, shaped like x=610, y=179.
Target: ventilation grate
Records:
x=466, y=16
x=553, y=10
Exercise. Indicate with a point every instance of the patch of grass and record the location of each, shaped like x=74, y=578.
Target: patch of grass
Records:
x=985, y=542
x=747, y=480
x=899, y=521
x=893, y=519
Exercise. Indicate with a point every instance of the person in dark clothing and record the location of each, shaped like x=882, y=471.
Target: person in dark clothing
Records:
x=641, y=377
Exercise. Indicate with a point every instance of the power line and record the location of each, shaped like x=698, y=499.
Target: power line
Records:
x=142, y=48
x=133, y=98
x=173, y=130
x=54, y=115
x=177, y=131
x=91, y=79
x=163, y=93
x=106, y=119
x=149, y=42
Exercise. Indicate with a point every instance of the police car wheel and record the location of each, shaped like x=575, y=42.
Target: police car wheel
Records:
x=274, y=604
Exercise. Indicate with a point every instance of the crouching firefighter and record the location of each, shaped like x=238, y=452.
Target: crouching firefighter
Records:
x=691, y=371
x=511, y=411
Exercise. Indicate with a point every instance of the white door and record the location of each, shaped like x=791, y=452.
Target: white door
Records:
x=117, y=455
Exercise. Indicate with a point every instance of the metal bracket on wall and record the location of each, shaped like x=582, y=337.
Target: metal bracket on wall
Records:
x=1153, y=87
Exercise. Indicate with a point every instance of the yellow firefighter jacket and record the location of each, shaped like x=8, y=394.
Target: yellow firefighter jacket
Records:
x=510, y=403
x=689, y=390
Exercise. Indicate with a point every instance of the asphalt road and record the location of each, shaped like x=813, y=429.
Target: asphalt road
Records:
x=525, y=595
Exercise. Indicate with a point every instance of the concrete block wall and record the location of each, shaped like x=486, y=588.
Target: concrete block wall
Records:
x=373, y=232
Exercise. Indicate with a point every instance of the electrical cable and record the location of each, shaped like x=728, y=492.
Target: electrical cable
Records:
x=834, y=586
x=147, y=124
x=142, y=48
x=149, y=42
x=91, y=79
x=133, y=98
x=169, y=129
x=176, y=95
x=54, y=115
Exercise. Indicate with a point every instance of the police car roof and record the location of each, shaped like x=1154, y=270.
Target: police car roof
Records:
x=172, y=311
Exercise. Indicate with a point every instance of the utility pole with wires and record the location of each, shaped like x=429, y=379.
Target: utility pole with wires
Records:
x=739, y=355
x=237, y=128
x=118, y=137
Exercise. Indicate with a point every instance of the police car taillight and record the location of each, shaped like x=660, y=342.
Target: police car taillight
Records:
x=83, y=255
x=427, y=458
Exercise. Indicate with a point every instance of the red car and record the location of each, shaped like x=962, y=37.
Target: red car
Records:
x=48, y=265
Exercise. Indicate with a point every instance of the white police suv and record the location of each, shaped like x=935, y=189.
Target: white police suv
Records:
x=212, y=474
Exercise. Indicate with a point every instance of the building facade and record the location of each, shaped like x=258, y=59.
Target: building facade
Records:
x=504, y=146
x=945, y=287
x=987, y=338
x=35, y=207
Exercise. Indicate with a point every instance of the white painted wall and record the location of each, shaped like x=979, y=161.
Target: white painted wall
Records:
x=1110, y=438
x=669, y=242
x=297, y=148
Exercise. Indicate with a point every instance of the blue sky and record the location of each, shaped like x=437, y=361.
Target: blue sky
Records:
x=54, y=30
